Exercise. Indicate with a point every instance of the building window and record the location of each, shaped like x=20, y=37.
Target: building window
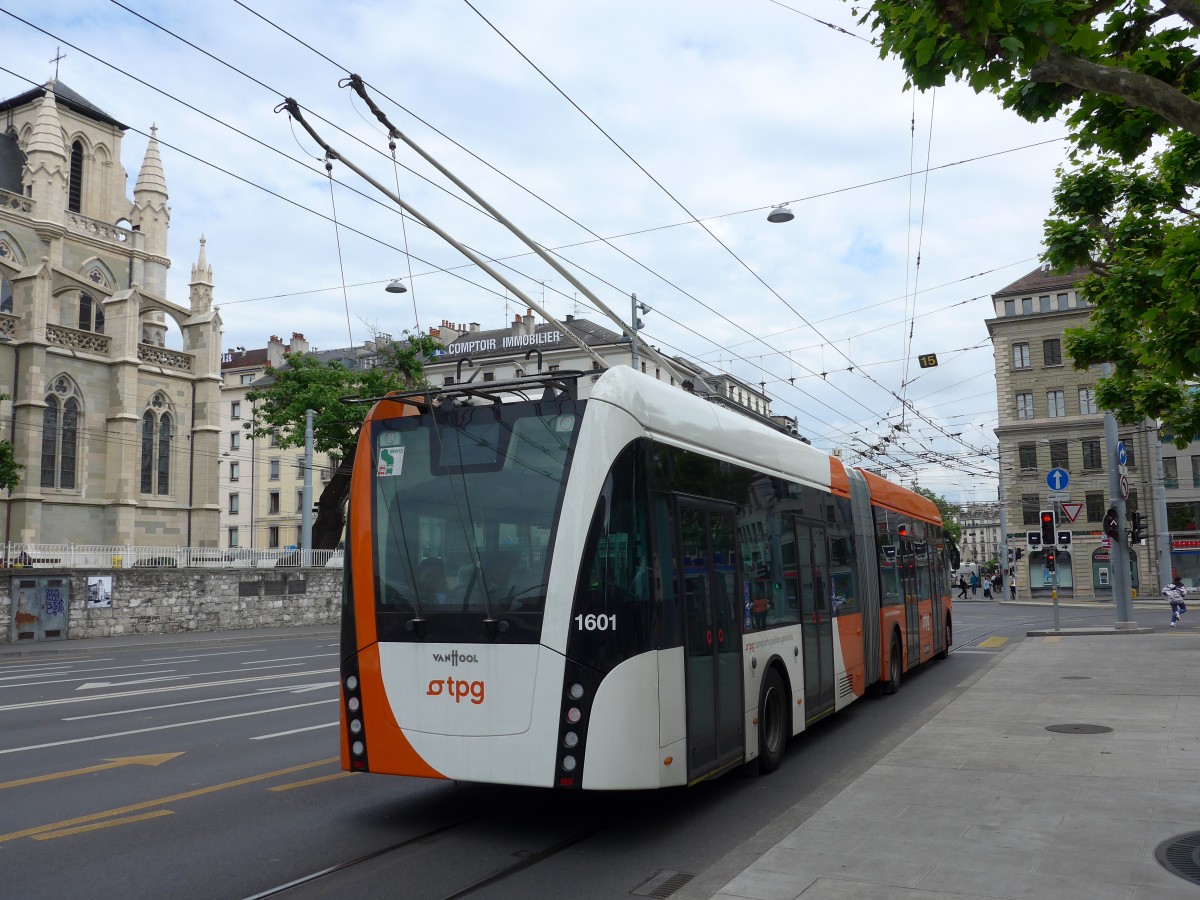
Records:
x=156, y=448
x=1130, y=462
x=1044, y=303
x=1028, y=454
x=6, y=297
x=1062, y=302
x=1087, y=401
x=1026, y=306
x=1170, y=472
x=1052, y=352
x=489, y=376
x=1056, y=404
x=60, y=436
x=1092, y=461
x=1029, y=509
x=235, y=471
x=1024, y=406
x=273, y=502
x=1095, y=506
x=1059, y=456
x=235, y=409
x=1081, y=301
x=1020, y=356
x=449, y=379
x=553, y=367
x=247, y=378
x=274, y=442
x=91, y=316
x=1196, y=471
x=273, y=470
x=235, y=440
x=75, y=184
x=273, y=537
x=300, y=501
x=233, y=536
x=1010, y=307
x=234, y=504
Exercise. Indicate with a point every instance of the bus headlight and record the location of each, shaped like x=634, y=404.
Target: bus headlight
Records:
x=356, y=726
x=357, y=748
x=574, y=715
x=568, y=764
x=351, y=682
x=352, y=704
x=570, y=740
x=576, y=691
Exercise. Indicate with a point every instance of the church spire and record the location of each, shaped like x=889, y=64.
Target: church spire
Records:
x=45, y=173
x=151, y=180
x=201, y=285
x=47, y=130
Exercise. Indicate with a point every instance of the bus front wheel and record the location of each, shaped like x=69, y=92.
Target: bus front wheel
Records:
x=772, y=722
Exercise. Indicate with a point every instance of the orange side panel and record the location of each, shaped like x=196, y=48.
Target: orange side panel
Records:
x=901, y=500
x=839, y=483
x=850, y=636
x=388, y=750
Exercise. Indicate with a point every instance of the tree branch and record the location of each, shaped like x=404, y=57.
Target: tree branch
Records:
x=1135, y=88
x=1185, y=9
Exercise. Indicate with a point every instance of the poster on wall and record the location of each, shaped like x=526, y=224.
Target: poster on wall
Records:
x=99, y=591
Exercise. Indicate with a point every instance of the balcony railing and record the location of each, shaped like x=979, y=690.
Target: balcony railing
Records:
x=15, y=202
x=99, y=229
x=109, y=556
x=74, y=339
x=170, y=359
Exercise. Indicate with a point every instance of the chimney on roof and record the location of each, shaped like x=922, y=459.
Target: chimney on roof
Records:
x=435, y=332
x=297, y=344
x=474, y=327
x=275, y=348
x=570, y=318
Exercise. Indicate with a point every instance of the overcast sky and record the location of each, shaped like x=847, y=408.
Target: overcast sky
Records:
x=644, y=114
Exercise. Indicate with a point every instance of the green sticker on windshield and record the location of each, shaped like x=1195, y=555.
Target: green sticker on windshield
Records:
x=391, y=461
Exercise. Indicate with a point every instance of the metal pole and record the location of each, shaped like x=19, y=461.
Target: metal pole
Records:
x=1162, y=528
x=306, y=495
x=1054, y=577
x=633, y=319
x=1119, y=551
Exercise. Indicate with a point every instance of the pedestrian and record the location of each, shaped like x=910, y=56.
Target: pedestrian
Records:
x=1175, y=594
x=997, y=583
x=962, y=588
x=974, y=584
x=1012, y=586
x=987, y=588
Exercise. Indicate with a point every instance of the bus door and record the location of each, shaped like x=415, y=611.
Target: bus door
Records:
x=816, y=619
x=912, y=598
x=713, y=637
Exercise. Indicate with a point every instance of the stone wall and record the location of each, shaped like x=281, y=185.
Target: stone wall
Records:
x=165, y=601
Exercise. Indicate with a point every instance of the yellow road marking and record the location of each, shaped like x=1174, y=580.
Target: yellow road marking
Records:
x=156, y=759
x=1052, y=639
x=82, y=828
x=299, y=784
x=146, y=804
x=992, y=642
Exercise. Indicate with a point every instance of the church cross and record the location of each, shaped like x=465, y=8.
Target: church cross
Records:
x=58, y=55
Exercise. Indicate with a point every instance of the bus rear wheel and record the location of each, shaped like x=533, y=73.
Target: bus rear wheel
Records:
x=772, y=723
x=947, y=640
x=895, y=665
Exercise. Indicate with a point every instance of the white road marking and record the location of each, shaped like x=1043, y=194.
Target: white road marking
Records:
x=102, y=737
x=75, y=671
x=93, y=685
x=174, y=687
x=263, y=737
x=296, y=689
x=223, y=653
x=85, y=678
x=286, y=658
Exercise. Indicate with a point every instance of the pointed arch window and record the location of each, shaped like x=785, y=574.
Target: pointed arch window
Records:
x=60, y=436
x=157, y=433
x=75, y=186
x=6, y=295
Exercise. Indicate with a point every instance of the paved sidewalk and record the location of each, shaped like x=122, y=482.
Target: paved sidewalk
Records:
x=187, y=638
x=982, y=801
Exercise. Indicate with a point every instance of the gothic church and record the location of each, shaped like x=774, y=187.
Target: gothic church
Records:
x=114, y=388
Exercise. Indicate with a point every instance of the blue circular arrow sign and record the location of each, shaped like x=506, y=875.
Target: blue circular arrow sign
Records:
x=1058, y=479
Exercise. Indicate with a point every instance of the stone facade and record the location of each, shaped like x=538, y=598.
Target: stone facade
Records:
x=115, y=388
x=168, y=601
x=1048, y=419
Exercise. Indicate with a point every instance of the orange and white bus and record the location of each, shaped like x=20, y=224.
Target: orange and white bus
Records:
x=639, y=588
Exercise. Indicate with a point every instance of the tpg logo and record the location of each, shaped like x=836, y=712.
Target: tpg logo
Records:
x=454, y=657
x=456, y=688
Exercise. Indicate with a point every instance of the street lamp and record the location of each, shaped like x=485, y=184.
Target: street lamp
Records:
x=780, y=213
x=396, y=286
x=636, y=325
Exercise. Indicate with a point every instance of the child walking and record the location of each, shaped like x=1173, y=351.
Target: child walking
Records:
x=1175, y=594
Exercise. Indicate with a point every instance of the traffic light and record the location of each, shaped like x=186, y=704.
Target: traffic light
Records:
x=955, y=558
x=1137, y=530
x=1050, y=562
x=1020, y=552
x=1034, y=539
x=1047, y=519
x=1064, y=540
x=1010, y=554
x=1112, y=527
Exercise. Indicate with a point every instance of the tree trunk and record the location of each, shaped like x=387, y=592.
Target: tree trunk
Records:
x=330, y=524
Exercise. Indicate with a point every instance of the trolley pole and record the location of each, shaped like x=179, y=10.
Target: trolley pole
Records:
x=1119, y=550
x=306, y=494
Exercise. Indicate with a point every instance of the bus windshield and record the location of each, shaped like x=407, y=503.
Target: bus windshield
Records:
x=466, y=502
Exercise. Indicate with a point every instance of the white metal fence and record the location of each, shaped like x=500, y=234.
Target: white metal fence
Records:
x=100, y=556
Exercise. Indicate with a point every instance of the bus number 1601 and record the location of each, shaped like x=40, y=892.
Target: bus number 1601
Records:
x=593, y=622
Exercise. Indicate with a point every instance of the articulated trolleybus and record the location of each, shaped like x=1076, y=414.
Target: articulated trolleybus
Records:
x=638, y=589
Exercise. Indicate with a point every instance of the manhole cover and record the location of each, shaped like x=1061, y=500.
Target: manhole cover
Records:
x=1181, y=856
x=1080, y=729
x=1077, y=678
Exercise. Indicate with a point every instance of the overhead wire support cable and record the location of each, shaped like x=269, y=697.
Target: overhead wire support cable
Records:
x=356, y=83
x=293, y=109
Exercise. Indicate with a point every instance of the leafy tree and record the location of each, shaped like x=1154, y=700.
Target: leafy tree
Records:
x=10, y=469
x=305, y=382
x=949, y=514
x=1123, y=75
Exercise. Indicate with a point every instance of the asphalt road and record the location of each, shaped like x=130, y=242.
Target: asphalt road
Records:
x=209, y=770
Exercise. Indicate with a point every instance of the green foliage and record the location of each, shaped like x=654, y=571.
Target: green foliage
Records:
x=948, y=510
x=10, y=469
x=1125, y=77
